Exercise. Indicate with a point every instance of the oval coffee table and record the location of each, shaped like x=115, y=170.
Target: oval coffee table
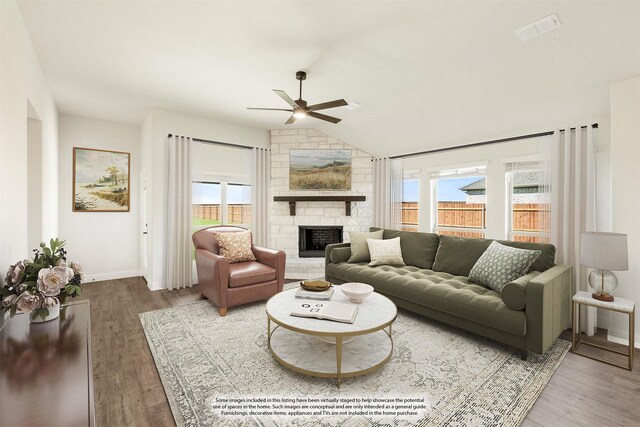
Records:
x=295, y=343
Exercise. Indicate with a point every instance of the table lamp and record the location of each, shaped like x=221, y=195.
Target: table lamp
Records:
x=604, y=252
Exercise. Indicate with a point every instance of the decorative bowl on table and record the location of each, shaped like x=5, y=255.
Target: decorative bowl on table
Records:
x=356, y=292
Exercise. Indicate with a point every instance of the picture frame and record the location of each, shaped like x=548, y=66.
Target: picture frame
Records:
x=101, y=180
x=311, y=169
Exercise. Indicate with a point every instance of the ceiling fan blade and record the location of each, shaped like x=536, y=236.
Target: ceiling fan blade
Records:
x=324, y=117
x=269, y=109
x=286, y=97
x=330, y=104
x=291, y=120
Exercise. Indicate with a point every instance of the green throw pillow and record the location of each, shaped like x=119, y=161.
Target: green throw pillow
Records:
x=359, y=247
x=501, y=264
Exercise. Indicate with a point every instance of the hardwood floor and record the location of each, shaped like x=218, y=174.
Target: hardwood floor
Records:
x=128, y=391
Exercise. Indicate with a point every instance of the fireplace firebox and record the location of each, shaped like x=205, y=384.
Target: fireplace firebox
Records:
x=313, y=239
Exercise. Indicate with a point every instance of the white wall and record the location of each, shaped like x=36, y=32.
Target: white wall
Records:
x=21, y=84
x=34, y=182
x=107, y=244
x=155, y=128
x=625, y=180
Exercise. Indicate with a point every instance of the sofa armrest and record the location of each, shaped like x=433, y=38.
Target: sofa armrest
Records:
x=273, y=258
x=548, y=307
x=213, y=276
x=327, y=255
x=514, y=293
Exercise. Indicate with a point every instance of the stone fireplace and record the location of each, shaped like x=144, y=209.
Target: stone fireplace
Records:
x=313, y=239
x=319, y=208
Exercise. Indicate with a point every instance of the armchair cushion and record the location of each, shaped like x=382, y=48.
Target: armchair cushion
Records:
x=249, y=273
x=236, y=247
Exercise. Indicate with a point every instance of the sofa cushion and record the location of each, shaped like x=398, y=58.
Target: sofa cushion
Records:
x=249, y=273
x=545, y=261
x=340, y=255
x=514, y=294
x=500, y=264
x=458, y=255
x=385, y=252
x=418, y=249
x=437, y=290
x=359, y=246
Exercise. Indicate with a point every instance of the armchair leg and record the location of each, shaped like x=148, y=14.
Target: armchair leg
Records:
x=523, y=354
x=223, y=311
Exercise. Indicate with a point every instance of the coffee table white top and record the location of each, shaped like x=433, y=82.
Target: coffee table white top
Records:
x=376, y=310
x=618, y=304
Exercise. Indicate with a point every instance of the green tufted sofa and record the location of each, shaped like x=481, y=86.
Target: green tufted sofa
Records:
x=530, y=313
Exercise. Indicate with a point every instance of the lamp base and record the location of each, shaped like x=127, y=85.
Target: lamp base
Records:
x=602, y=297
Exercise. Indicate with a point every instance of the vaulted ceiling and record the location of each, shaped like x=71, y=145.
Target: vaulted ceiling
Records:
x=427, y=73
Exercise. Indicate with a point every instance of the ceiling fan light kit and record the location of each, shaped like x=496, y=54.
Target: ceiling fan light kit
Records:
x=300, y=109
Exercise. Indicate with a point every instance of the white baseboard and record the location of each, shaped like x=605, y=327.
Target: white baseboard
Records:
x=98, y=277
x=615, y=335
x=156, y=286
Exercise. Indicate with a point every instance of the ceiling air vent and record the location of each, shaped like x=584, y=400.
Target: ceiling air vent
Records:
x=544, y=25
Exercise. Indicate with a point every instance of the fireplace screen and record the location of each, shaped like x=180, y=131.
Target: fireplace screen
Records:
x=313, y=239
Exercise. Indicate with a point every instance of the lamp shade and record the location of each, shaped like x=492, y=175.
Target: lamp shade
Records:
x=606, y=251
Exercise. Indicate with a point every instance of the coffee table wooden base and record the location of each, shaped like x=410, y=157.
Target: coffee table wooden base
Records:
x=306, y=354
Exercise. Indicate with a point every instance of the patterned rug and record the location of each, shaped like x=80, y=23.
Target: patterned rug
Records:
x=218, y=371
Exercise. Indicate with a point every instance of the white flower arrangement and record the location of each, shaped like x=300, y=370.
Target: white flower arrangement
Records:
x=36, y=286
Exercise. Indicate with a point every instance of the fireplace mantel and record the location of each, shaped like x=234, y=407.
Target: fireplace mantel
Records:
x=293, y=199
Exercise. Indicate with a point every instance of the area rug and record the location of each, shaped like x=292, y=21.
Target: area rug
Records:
x=218, y=371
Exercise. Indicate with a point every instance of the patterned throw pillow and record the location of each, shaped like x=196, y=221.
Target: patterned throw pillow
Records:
x=501, y=264
x=385, y=252
x=236, y=246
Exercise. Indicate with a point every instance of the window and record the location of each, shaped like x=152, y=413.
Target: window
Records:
x=410, y=192
x=529, y=202
x=460, y=207
x=206, y=200
x=239, y=205
x=215, y=203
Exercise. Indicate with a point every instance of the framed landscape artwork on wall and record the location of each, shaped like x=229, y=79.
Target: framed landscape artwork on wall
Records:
x=320, y=169
x=100, y=180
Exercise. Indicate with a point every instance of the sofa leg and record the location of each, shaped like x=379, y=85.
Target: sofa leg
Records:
x=223, y=311
x=523, y=354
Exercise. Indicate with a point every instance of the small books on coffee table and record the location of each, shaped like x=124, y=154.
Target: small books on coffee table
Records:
x=338, y=312
x=322, y=295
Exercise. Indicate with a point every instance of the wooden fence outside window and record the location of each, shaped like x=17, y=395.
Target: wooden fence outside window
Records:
x=527, y=217
x=236, y=213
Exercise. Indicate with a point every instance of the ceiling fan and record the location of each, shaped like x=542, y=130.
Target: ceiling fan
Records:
x=299, y=107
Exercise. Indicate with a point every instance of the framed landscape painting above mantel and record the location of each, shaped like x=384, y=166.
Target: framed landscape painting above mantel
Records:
x=100, y=180
x=320, y=169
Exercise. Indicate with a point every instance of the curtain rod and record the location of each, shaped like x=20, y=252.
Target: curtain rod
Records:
x=226, y=144
x=477, y=144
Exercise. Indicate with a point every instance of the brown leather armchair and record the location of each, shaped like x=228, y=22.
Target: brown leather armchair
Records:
x=230, y=285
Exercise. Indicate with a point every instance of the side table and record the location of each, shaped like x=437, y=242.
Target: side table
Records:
x=619, y=305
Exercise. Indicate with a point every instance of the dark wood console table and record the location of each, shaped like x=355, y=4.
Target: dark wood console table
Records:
x=46, y=372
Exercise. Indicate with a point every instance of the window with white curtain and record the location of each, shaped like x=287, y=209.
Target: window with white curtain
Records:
x=216, y=203
x=459, y=200
x=410, y=200
x=529, y=202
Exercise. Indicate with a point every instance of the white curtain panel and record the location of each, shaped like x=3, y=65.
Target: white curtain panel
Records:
x=387, y=193
x=179, y=214
x=261, y=193
x=570, y=157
